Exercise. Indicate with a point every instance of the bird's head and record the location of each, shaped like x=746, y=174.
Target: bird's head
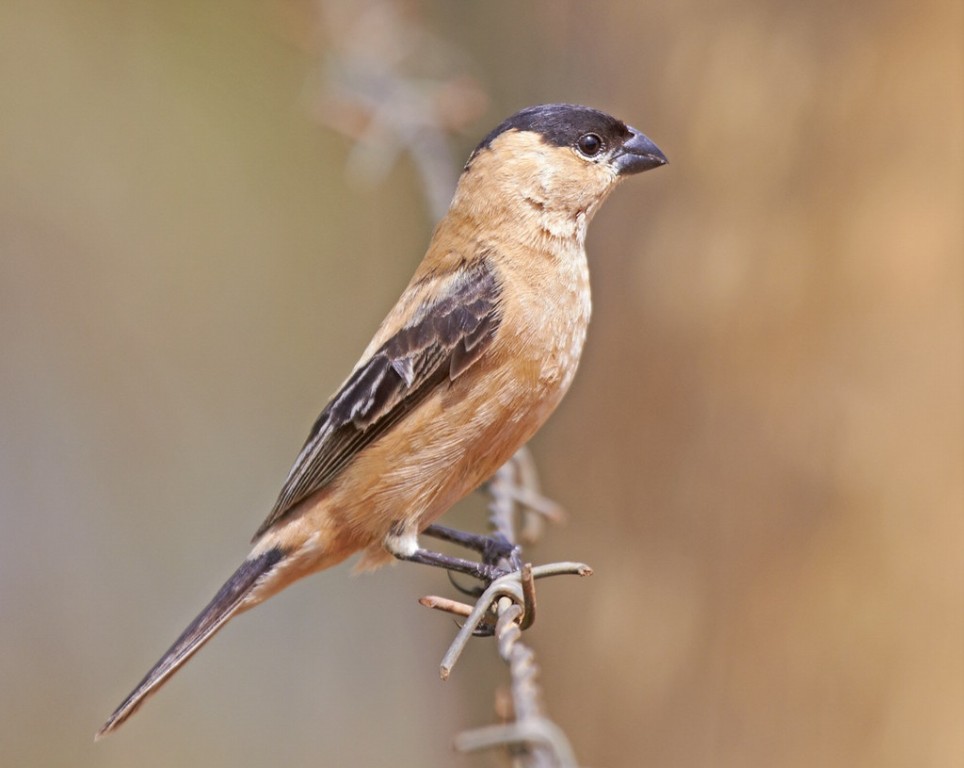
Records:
x=552, y=166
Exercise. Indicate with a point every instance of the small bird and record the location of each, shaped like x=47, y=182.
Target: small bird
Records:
x=468, y=365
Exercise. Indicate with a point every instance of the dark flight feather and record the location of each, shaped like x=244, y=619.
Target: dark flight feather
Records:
x=224, y=605
x=439, y=344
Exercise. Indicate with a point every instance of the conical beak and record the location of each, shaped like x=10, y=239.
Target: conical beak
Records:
x=637, y=154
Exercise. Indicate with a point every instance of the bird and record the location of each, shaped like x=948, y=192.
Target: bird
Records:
x=470, y=362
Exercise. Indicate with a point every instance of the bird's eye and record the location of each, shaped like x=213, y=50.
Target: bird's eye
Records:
x=589, y=144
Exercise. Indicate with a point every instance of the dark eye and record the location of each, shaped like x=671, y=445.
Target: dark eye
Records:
x=589, y=144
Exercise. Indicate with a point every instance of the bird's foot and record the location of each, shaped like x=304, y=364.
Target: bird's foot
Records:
x=498, y=556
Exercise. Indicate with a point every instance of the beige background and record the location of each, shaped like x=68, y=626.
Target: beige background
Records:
x=762, y=455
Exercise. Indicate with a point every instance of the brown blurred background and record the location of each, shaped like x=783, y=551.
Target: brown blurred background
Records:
x=205, y=210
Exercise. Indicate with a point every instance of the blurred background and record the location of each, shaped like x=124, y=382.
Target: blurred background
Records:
x=207, y=207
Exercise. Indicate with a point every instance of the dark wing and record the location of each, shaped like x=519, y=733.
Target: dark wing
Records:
x=442, y=340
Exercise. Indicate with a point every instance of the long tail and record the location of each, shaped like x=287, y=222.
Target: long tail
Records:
x=225, y=604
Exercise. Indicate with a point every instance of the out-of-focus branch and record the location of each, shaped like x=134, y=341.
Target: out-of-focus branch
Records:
x=392, y=87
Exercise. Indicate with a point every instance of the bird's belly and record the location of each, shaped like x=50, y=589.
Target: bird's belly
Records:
x=450, y=444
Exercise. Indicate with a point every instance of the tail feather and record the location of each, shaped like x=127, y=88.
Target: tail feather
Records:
x=224, y=605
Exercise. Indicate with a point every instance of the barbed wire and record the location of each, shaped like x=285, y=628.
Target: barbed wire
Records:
x=530, y=737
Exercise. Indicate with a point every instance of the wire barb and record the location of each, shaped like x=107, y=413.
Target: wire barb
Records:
x=509, y=586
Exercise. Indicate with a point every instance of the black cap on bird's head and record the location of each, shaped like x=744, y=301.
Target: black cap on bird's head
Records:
x=592, y=134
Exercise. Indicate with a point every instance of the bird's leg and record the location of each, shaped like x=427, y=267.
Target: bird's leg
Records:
x=514, y=483
x=493, y=547
x=403, y=544
x=482, y=571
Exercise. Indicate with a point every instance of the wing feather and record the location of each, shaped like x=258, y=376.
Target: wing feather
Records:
x=444, y=338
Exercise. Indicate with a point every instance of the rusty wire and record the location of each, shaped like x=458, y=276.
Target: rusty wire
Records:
x=531, y=738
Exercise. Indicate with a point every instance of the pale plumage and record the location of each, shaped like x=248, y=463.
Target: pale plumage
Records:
x=478, y=351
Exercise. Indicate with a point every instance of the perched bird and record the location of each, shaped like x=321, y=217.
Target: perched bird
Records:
x=470, y=362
